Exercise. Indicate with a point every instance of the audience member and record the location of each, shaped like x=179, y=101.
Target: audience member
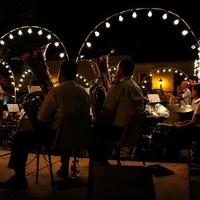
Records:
x=124, y=98
x=185, y=130
x=193, y=80
x=184, y=94
x=2, y=93
x=67, y=99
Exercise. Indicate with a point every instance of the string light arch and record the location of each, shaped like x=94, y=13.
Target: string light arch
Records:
x=134, y=12
x=163, y=70
x=35, y=31
x=82, y=80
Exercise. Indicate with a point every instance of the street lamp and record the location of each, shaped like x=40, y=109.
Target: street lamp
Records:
x=160, y=81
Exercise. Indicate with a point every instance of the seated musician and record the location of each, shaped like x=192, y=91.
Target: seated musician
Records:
x=185, y=130
x=68, y=98
x=123, y=99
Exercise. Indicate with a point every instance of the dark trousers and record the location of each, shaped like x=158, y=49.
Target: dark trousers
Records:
x=99, y=149
x=23, y=142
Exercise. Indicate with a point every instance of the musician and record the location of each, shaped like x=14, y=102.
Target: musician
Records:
x=68, y=98
x=124, y=98
x=185, y=130
x=184, y=93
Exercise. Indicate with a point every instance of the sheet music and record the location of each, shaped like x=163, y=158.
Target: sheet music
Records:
x=13, y=107
x=153, y=98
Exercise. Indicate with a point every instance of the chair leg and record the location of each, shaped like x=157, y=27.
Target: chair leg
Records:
x=51, y=173
x=117, y=153
x=37, y=164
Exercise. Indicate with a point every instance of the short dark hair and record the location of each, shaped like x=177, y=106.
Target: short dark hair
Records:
x=127, y=66
x=193, y=78
x=68, y=69
x=197, y=88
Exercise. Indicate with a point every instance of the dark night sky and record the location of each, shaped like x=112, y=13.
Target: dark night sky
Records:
x=145, y=39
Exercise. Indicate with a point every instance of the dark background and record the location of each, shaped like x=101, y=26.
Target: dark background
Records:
x=145, y=39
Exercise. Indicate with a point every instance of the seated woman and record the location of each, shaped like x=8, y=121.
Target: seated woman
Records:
x=185, y=130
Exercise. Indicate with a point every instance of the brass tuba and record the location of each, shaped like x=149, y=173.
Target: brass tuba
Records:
x=99, y=87
x=36, y=62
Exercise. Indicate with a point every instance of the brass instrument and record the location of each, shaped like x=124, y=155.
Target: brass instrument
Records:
x=32, y=102
x=99, y=87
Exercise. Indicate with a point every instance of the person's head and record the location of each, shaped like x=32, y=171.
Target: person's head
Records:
x=1, y=80
x=196, y=91
x=193, y=80
x=68, y=71
x=125, y=67
x=184, y=85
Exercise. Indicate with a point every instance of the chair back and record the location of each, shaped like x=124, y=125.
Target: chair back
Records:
x=108, y=181
x=73, y=133
x=132, y=130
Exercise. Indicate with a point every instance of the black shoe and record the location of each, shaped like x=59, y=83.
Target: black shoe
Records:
x=63, y=173
x=14, y=182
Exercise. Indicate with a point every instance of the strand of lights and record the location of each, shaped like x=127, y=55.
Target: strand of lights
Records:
x=164, y=70
x=24, y=75
x=197, y=61
x=83, y=80
x=134, y=15
x=40, y=31
x=11, y=74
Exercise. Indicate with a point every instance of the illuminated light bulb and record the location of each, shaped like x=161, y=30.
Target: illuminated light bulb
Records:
x=121, y=18
x=40, y=32
x=30, y=31
x=176, y=21
x=184, y=32
x=76, y=75
x=13, y=83
x=193, y=47
x=9, y=71
x=84, y=80
x=49, y=36
x=181, y=74
x=29, y=70
x=23, y=75
x=2, y=42
x=134, y=15
x=17, y=88
x=149, y=13
x=164, y=16
x=107, y=25
x=20, y=32
x=175, y=71
x=21, y=80
x=62, y=55
x=96, y=33
x=11, y=76
x=169, y=70
x=7, y=66
x=88, y=44
x=11, y=36
x=150, y=74
x=143, y=86
x=145, y=81
x=81, y=77
x=56, y=44
x=20, y=85
x=164, y=70
x=26, y=72
x=158, y=71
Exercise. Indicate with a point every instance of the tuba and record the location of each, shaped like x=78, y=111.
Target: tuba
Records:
x=32, y=102
x=99, y=87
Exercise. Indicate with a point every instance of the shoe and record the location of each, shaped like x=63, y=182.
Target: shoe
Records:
x=63, y=173
x=14, y=182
